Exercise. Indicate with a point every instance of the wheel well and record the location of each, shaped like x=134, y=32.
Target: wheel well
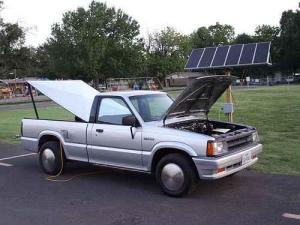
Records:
x=165, y=151
x=46, y=138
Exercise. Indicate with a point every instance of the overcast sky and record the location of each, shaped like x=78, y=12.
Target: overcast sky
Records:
x=152, y=15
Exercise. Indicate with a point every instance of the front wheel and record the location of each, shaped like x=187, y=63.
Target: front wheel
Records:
x=175, y=174
x=51, y=158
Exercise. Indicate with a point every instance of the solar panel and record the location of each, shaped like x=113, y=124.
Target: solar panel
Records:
x=220, y=56
x=234, y=55
x=262, y=52
x=247, y=54
x=194, y=58
x=207, y=57
x=228, y=56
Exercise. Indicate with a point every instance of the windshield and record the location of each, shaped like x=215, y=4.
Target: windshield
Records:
x=151, y=107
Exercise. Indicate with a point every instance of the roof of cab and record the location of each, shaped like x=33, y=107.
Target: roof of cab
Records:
x=130, y=93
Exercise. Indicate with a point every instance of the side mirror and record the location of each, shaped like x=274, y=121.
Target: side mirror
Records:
x=129, y=120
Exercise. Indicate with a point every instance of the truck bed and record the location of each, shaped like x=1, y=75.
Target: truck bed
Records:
x=72, y=134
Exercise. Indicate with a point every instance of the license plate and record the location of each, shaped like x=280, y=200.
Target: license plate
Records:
x=246, y=157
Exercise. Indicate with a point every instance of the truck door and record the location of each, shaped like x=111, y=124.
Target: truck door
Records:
x=111, y=142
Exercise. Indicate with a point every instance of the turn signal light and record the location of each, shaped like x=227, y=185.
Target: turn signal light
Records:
x=210, y=149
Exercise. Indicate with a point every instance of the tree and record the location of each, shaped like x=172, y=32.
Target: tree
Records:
x=243, y=39
x=290, y=40
x=12, y=38
x=221, y=34
x=167, y=52
x=14, y=56
x=201, y=38
x=266, y=33
x=214, y=35
x=94, y=43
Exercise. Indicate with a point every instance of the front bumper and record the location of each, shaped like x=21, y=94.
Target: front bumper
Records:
x=215, y=168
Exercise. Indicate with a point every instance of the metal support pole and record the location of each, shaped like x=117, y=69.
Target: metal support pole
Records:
x=228, y=98
x=33, y=102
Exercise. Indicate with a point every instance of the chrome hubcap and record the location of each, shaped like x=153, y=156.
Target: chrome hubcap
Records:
x=48, y=159
x=172, y=176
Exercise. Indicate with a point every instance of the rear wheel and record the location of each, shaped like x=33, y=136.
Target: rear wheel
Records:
x=175, y=174
x=51, y=158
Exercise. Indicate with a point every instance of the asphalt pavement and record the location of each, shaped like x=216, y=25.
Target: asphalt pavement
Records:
x=113, y=197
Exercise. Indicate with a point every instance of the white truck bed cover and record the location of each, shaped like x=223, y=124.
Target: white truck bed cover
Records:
x=73, y=95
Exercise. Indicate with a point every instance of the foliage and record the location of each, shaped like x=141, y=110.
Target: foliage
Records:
x=214, y=35
x=244, y=39
x=167, y=52
x=12, y=38
x=95, y=43
x=101, y=41
x=266, y=33
x=221, y=34
x=201, y=38
x=290, y=40
x=15, y=57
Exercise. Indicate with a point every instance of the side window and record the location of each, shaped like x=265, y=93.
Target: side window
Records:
x=112, y=111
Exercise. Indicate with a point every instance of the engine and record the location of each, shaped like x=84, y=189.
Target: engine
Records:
x=203, y=126
x=211, y=128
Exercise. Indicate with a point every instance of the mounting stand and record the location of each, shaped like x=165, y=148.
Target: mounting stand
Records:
x=228, y=98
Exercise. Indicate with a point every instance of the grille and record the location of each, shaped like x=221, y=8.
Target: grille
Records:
x=239, y=142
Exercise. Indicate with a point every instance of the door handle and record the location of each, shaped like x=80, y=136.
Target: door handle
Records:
x=99, y=130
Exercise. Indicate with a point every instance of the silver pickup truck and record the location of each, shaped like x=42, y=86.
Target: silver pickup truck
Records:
x=143, y=131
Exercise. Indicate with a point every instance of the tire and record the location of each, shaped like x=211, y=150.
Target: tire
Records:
x=50, y=158
x=175, y=174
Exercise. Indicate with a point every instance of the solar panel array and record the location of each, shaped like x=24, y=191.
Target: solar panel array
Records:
x=228, y=56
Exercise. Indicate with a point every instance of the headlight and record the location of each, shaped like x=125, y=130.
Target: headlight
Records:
x=255, y=137
x=216, y=148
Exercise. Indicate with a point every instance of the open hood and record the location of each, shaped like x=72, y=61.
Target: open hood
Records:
x=73, y=95
x=200, y=95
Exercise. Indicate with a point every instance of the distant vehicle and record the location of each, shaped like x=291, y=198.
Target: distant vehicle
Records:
x=143, y=131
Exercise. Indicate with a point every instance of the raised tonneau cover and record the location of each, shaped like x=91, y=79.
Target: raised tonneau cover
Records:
x=73, y=95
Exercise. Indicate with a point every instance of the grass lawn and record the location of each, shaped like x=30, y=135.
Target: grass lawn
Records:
x=274, y=111
x=10, y=120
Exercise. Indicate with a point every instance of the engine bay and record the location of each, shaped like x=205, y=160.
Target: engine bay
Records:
x=211, y=128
